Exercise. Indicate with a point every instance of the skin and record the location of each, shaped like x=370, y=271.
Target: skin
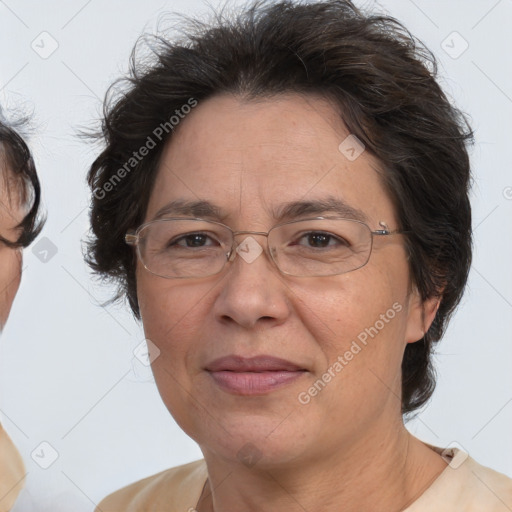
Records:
x=347, y=449
x=11, y=214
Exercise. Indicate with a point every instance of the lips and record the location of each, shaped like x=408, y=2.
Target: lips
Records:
x=253, y=376
x=252, y=364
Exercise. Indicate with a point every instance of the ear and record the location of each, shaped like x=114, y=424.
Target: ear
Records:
x=421, y=314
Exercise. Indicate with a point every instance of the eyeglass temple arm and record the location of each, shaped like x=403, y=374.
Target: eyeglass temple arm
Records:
x=385, y=230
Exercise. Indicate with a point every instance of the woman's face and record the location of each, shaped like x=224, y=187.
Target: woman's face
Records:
x=249, y=160
x=11, y=213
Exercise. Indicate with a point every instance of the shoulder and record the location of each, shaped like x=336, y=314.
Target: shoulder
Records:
x=178, y=488
x=489, y=490
x=12, y=471
x=465, y=485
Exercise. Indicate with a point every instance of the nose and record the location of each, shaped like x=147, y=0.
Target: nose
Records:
x=253, y=292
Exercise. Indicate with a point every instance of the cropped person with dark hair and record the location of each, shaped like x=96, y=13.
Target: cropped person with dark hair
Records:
x=283, y=200
x=20, y=223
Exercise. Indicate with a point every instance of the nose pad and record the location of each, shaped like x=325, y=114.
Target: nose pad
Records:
x=231, y=255
x=249, y=249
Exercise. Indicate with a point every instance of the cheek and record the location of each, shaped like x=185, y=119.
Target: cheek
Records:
x=361, y=351
x=345, y=306
x=173, y=315
x=10, y=278
x=361, y=318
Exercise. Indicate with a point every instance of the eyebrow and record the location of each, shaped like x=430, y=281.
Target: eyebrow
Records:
x=330, y=204
x=287, y=211
x=178, y=207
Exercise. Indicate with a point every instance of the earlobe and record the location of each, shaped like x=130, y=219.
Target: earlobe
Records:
x=421, y=315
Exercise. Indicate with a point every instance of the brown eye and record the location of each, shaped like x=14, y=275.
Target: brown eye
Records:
x=320, y=240
x=193, y=240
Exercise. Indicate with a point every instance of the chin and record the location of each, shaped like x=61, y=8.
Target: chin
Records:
x=254, y=440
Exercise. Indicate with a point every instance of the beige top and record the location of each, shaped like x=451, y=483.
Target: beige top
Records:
x=464, y=486
x=12, y=472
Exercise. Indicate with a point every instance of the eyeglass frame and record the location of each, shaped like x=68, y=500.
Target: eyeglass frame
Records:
x=131, y=238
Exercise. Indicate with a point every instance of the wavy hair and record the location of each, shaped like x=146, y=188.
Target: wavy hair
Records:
x=384, y=82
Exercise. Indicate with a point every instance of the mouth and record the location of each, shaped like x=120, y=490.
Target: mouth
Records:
x=253, y=376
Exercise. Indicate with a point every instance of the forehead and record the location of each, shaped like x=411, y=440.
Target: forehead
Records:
x=251, y=157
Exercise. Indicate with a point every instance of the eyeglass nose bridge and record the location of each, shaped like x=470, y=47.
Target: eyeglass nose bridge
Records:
x=232, y=253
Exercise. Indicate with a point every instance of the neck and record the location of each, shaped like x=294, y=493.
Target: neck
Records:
x=385, y=472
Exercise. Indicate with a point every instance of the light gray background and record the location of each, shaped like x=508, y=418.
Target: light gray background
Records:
x=67, y=371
